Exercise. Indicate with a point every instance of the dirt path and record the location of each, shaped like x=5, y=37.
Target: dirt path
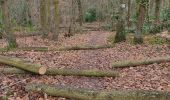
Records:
x=98, y=38
x=91, y=38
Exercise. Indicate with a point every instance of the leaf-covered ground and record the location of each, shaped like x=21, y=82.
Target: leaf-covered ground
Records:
x=147, y=77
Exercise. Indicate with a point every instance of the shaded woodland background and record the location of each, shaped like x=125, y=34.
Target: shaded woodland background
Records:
x=72, y=16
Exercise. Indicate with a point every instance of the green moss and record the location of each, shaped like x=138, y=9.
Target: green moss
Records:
x=4, y=97
x=154, y=40
x=111, y=39
x=138, y=40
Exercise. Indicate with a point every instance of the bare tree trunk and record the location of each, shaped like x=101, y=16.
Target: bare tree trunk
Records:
x=28, y=13
x=157, y=15
x=157, y=12
x=80, y=12
x=72, y=20
x=55, y=32
x=169, y=18
x=7, y=25
x=120, y=27
x=43, y=17
x=49, y=15
x=141, y=11
x=129, y=13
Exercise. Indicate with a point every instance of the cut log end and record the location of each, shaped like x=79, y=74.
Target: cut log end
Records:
x=42, y=70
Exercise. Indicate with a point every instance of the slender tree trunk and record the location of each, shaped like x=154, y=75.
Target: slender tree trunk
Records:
x=43, y=18
x=169, y=17
x=80, y=12
x=49, y=15
x=141, y=11
x=151, y=7
x=28, y=13
x=72, y=19
x=55, y=32
x=7, y=25
x=129, y=13
x=157, y=12
x=120, y=34
x=157, y=15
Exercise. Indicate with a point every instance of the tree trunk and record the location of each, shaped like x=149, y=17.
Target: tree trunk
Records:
x=169, y=17
x=7, y=25
x=22, y=65
x=157, y=12
x=65, y=72
x=49, y=15
x=80, y=12
x=72, y=19
x=55, y=32
x=43, y=18
x=141, y=10
x=157, y=27
x=132, y=63
x=120, y=27
x=129, y=13
x=84, y=94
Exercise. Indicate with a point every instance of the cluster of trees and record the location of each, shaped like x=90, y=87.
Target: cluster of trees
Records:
x=144, y=13
x=129, y=15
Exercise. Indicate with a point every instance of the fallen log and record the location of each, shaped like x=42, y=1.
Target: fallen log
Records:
x=87, y=47
x=64, y=72
x=38, y=69
x=164, y=35
x=133, y=63
x=12, y=71
x=82, y=94
x=40, y=49
x=67, y=48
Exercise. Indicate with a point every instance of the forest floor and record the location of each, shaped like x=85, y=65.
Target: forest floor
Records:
x=145, y=77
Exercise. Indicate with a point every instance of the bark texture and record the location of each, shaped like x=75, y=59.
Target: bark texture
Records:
x=7, y=25
x=130, y=63
x=141, y=11
x=64, y=72
x=120, y=27
x=22, y=65
x=83, y=94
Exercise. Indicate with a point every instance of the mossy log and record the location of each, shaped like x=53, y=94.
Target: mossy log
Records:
x=12, y=71
x=67, y=48
x=132, y=63
x=87, y=47
x=164, y=36
x=64, y=72
x=38, y=69
x=40, y=49
x=83, y=94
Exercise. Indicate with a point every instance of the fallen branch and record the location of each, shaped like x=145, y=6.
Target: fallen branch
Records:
x=82, y=94
x=67, y=48
x=132, y=63
x=64, y=72
x=22, y=65
x=164, y=35
x=40, y=49
x=87, y=47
